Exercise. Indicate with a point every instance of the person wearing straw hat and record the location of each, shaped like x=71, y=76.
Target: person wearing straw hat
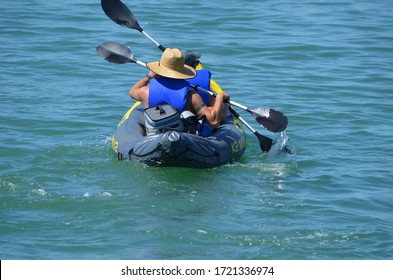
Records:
x=166, y=84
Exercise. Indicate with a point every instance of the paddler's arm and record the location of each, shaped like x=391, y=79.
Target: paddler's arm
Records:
x=140, y=91
x=212, y=114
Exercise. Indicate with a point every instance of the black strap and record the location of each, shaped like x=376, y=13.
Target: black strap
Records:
x=200, y=108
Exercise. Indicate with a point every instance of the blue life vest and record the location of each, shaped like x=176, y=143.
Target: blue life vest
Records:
x=202, y=79
x=174, y=92
x=206, y=131
x=169, y=91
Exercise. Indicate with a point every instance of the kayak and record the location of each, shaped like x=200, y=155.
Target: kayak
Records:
x=175, y=148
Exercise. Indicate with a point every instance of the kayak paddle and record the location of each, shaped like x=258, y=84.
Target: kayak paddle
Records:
x=120, y=14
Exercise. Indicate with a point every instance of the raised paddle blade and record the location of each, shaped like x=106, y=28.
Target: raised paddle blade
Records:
x=119, y=13
x=115, y=53
x=272, y=120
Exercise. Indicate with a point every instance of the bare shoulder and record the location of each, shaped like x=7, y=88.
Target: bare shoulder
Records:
x=140, y=93
x=193, y=101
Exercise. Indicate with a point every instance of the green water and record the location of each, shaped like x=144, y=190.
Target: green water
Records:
x=328, y=66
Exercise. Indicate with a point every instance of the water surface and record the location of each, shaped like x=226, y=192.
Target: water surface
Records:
x=328, y=66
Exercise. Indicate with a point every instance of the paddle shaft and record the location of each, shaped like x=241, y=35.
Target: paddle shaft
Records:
x=233, y=103
x=161, y=47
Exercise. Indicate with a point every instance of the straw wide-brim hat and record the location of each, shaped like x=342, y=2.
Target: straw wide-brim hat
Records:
x=171, y=65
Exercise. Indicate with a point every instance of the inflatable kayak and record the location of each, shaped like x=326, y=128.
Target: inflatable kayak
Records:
x=174, y=148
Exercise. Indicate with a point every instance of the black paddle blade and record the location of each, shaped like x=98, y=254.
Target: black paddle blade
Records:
x=119, y=13
x=272, y=120
x=265, y=143
x=115, y=53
